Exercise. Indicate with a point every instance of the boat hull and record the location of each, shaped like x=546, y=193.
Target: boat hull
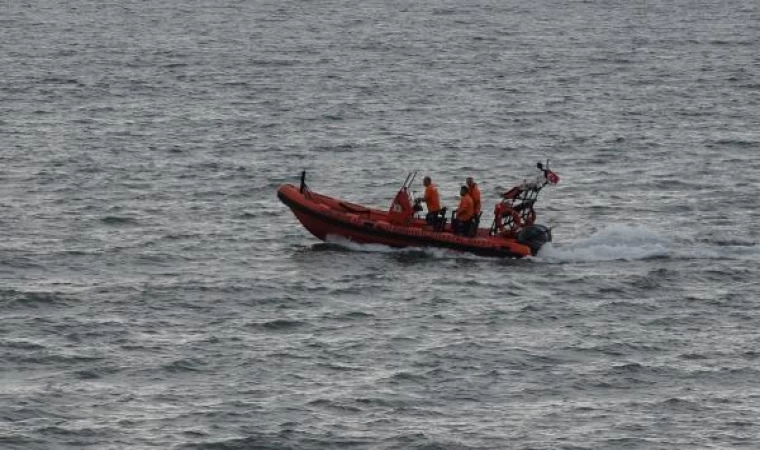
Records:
x=324, y=216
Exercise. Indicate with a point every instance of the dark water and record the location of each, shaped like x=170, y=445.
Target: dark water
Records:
x=155, y=294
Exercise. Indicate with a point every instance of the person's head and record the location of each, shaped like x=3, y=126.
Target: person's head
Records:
x=463, y=190
x=426, y=181
x=470, y=181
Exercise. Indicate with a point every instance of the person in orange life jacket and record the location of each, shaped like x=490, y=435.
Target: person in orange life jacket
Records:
x=474, y=190
x=432, y=200
x=465, y=212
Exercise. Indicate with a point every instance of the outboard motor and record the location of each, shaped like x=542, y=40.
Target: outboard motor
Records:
x=535, y=236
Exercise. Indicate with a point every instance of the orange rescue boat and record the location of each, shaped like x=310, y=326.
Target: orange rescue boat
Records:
x=513, y=232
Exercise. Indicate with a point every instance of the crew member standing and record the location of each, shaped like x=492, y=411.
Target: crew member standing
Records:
x=465, y=212
x=474, y=191
x=432, y=200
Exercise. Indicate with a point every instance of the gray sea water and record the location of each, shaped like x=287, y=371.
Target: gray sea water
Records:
x=155, y=294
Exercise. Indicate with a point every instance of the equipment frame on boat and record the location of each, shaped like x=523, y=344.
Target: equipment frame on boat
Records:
x=516, y=209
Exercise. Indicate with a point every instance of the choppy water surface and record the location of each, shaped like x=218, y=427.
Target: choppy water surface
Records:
x=155, y=294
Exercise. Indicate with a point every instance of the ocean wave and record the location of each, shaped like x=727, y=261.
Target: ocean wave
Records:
x=286, y=440
x=720, y=251
x=118, y=220
x=95, y=373
x=51, y=359
x=350, y=316
x=336, y=405
x=22, y=344
x=30, y=299
x=184, y=365
x=278, y=324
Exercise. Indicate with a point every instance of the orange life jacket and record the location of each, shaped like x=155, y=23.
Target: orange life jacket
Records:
x=466, y=209
x=475, y=194
x=432, y=199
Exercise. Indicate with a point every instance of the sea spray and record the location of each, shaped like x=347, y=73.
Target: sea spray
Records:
x=614, y=242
